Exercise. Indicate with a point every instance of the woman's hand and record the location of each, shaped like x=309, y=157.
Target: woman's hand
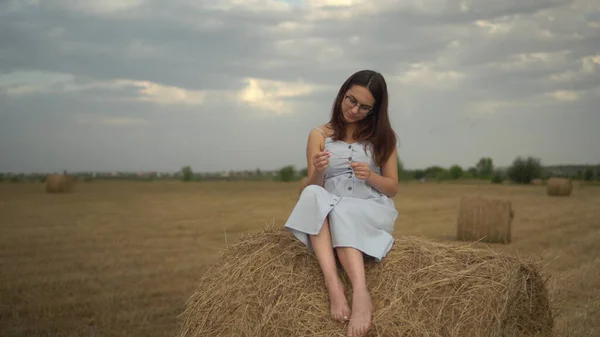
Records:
x=321, y=161
x=361, y=170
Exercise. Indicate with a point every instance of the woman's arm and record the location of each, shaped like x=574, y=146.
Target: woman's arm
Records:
x=387, y=182
x=314, y=146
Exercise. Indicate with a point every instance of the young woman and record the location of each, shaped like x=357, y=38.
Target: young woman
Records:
x=346, y=207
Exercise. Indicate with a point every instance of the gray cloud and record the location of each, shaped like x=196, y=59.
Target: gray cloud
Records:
x=157, y=86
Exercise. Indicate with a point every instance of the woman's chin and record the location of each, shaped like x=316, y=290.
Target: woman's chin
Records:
x=350, y=119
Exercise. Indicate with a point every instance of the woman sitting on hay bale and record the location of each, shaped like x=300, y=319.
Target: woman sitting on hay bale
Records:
x=346, y=207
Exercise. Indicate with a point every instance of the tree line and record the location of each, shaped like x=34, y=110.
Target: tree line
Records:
x=523, y=170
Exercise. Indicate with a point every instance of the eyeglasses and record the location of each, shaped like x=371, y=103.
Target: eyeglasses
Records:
x=352, y=102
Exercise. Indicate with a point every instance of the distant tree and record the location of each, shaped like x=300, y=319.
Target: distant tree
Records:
x=408, y=174
x=287, y=173
x=186, y=173
x=433, y=171
x=442, y=175
x=485, y=167
x=402, y=173
x=498, y=177
x=456, y=172
x=524, y=170
x=588, y=174
x=472, y=171
x=419, y=174
x=304, y=172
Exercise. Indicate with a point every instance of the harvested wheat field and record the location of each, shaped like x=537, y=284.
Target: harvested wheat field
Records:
x=123, y=258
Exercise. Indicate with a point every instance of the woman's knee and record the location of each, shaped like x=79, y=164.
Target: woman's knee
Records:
x=311, y=191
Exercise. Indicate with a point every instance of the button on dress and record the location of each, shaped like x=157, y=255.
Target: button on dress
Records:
x=359, y=216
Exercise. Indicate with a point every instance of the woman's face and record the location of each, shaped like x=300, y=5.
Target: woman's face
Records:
x=357, y=103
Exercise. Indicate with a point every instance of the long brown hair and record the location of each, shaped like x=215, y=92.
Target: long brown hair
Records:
x=375, y=128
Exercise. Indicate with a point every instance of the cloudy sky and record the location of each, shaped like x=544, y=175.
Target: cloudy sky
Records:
x=238, y=84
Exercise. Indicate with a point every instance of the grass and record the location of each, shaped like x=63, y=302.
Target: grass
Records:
x=121, y=258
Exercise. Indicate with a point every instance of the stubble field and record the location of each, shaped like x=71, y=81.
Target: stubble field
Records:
x=121, y=258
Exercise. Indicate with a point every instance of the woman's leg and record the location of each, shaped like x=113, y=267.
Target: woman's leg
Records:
x=321, y=243
x=362, y=305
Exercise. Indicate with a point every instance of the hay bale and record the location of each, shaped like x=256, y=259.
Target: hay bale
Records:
x=559, y=187
x=59, y=183
x=483, y=219
x=268, y=284
x=537, y=182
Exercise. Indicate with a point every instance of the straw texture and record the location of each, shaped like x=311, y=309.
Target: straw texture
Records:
x=559, y=187
x=484, y=219
x=268, y=284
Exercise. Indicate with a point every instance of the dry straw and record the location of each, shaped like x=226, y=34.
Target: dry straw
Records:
x=59, y=183
x=268, y=284
x=483, y=219
x=559, y=187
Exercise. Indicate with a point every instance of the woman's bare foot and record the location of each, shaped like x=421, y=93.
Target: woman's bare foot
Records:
x=340, y=310
x=362, y=308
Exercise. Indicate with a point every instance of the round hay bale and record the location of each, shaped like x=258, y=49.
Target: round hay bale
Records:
x=537, y=182
x=559, y=187
x=483, y=219
x=59, y=183
x=268, y=284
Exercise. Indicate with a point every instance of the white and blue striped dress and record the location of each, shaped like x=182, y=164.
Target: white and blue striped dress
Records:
x=359, y=216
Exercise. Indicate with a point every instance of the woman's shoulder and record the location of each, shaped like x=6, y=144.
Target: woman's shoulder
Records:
x=323, y=130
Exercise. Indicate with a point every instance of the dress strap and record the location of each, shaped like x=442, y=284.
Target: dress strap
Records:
x=321, y=131
x=324, y=137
